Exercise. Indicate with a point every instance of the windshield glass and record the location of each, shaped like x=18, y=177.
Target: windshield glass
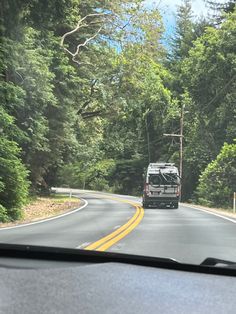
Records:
x=117, y=126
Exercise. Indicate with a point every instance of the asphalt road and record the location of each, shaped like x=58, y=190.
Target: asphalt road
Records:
x=185, y=234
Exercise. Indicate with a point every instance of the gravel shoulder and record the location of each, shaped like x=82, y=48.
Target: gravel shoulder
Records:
x=45, y=207
x=220, y=211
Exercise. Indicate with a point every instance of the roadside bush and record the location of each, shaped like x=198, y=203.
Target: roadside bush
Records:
x=3, y=214
x=128, y=176
x=99, y=184
x=71, y=175
x=122, y=176
x=13, y=181
x=99, y=174
x=218, y=181
x=89, y=176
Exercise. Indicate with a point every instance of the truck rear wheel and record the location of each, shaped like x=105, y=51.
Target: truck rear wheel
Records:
x=176, y=205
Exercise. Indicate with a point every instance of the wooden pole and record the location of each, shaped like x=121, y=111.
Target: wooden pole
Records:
x=181, y=149
x=234, y=202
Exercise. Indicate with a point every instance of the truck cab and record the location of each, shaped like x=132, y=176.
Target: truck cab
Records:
x=161, y=186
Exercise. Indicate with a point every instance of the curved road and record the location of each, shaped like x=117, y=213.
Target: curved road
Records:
x=186, y=234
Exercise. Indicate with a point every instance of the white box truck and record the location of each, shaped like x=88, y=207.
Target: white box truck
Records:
x=161, y=186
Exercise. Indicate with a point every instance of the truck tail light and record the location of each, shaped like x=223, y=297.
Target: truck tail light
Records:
x=177, y=191
x=146, y=188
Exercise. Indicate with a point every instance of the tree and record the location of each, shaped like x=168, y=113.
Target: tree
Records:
x=13, y=181
x=208, y=75
x=129, y=83
x=220, y=9
x=217, y=183
x=184, y=36
x=212, y=83
x=86, y=88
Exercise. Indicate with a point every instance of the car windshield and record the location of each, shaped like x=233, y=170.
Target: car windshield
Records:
x=117, y=126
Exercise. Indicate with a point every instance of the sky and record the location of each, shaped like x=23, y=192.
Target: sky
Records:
x=168, y=10
x=169, y=6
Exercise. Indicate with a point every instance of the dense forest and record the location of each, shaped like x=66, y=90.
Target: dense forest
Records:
x=89, y=88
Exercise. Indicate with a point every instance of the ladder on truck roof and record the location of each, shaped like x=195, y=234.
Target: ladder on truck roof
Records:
x=161, y=165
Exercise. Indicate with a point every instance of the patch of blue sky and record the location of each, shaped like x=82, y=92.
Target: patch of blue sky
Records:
x=168, y=9
x=169, y=6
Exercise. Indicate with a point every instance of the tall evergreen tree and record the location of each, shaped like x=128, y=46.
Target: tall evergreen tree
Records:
x=218, y=10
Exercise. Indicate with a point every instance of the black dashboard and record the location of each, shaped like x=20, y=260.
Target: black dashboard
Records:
x=50, y=285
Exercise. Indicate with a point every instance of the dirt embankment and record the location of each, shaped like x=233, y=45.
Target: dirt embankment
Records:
x=45, y=207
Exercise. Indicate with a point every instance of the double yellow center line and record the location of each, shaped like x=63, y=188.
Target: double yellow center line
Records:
x=112, y=238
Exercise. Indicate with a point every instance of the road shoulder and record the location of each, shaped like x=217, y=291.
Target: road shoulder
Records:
x=218, y=211
x=45, y=207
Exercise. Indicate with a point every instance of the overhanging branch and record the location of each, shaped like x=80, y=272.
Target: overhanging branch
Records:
x=76, y=29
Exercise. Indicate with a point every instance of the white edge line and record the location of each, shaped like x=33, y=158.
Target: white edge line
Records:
x=83, y=245
x=47, y=219
x=211, y=213
x=116, y=227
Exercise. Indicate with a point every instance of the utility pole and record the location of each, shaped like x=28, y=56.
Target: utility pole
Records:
x=148, y=143
x=181, y=144
x=180, y=135
x=234, y=202
x=148, y=137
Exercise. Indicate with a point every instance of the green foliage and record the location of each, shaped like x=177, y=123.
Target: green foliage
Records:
x=122, y=176
x=3, y=214
x=93, y=176
x=217, y=183
x=13, y=181
x=71, y=175
x=128, y=176
x=206, y=73
x=98, y=122
x=184, y=30
x=219, y=9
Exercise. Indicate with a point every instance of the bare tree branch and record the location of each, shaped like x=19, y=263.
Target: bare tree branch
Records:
x=77, y=28
x=86, y=42
x=91, y=114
